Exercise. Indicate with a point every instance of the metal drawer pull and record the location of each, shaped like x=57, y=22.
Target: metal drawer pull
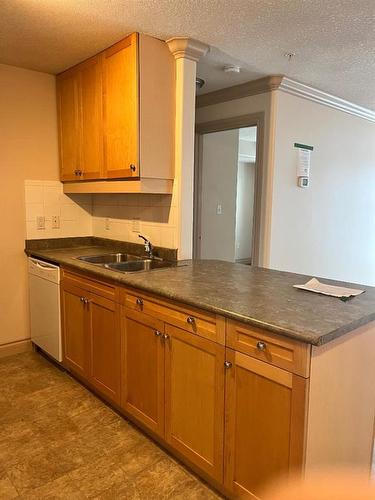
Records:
x=261, y=346
x=157, y=333
x=190, y=320
x=227, y=364
x=139, y=302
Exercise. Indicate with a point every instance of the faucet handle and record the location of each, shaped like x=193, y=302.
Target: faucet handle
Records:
x=148, y=244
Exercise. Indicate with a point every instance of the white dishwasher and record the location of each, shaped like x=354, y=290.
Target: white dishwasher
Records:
x=44, y=292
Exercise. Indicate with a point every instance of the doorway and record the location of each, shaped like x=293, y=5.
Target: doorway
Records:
x=227, y=191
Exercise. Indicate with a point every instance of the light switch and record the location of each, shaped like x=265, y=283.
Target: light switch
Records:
x=40, y=222
x=219, y=209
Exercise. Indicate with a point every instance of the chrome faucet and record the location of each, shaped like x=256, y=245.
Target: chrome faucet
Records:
x=148, y=246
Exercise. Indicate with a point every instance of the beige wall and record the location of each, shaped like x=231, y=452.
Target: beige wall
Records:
x=327, y=229
x=28, y=150
x=248, y=105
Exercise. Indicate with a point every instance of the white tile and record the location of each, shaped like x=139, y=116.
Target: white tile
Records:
x=68, y=212
x=33, y=194
x=168, y=237
x=33, y=210
x=51, y=209
x=52, y=194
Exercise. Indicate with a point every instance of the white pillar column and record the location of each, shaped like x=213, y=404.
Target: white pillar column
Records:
x=186, y=52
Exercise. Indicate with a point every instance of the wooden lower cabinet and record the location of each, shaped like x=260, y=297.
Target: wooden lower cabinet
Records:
x=194, y=381
x=74, y=325
x=265, y=412
x=143, y=369
x=105, y=346
x=92, y=339
x=237, y=419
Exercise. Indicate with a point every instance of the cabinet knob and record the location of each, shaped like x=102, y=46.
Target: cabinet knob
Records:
x=78, y=172
x=82, y=299
x=165, y=336
x=157, y=333
x=190, y=320
x=261, y=346
x=86, y=301
x=139, y=302
x=227, y=364
x=132, y=167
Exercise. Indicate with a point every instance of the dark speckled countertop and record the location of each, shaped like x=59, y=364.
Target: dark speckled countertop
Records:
x=260, y=297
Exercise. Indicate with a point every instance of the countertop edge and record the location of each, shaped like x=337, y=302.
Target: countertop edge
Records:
x=107, y=275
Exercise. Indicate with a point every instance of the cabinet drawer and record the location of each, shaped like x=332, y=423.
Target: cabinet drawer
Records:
x=92, y=285
x=279, y=351
x=209, y=326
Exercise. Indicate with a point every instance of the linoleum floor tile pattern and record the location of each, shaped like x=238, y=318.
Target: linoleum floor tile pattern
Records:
x=57, y=440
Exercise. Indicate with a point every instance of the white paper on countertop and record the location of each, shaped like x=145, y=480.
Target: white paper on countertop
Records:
x=316, y=286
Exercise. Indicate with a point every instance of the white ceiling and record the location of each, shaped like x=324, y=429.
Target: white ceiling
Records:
x=334, y=40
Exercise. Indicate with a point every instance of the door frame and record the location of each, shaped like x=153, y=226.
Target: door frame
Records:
x=249, y=120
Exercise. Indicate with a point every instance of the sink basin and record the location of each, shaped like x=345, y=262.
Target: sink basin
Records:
x=109, y=258
x=139, y=265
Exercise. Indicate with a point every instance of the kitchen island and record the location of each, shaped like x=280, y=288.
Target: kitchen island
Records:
x=235, y=371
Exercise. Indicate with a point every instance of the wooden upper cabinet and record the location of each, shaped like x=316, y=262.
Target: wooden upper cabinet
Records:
x=121, y=117
x=116, y=114
x=264, y=433
x=79, y=97
x=91, y=118
x=69, y=129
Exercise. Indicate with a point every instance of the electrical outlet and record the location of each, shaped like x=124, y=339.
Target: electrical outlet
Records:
x=55, y=221
x=219, y=209
x=136, y=225
x=107, y=223
x=40, y=222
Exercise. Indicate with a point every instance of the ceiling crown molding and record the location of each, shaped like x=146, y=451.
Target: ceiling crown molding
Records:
x=254, y=87
x=187, y=48
x=312, y=94
x=289, y=86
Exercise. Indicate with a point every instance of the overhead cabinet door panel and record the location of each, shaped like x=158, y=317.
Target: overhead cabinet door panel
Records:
x=91, y=119
x=121, y=109
x=68, y=104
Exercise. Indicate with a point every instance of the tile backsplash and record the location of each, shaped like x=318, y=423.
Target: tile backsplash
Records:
x=46, y=199
x=104, y=215
x=113, y=216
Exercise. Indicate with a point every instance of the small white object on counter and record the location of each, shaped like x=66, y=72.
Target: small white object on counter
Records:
x=316, y=286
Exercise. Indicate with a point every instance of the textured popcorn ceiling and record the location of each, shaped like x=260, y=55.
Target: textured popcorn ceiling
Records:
x=334, y=39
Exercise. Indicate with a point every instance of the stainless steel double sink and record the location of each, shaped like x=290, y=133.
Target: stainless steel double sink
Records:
x=126, y=263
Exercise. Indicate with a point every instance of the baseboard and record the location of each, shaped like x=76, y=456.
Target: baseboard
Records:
x=15, y=348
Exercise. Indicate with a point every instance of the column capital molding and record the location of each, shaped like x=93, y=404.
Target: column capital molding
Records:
x=187, y=48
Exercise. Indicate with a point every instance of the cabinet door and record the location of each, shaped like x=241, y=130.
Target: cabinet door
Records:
x=143, y=369
x=105, y=346
x=194, y=372
x=69, y=129
x=264, y=433
x=91, y=118
x=74, y=330
x=121, y=121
